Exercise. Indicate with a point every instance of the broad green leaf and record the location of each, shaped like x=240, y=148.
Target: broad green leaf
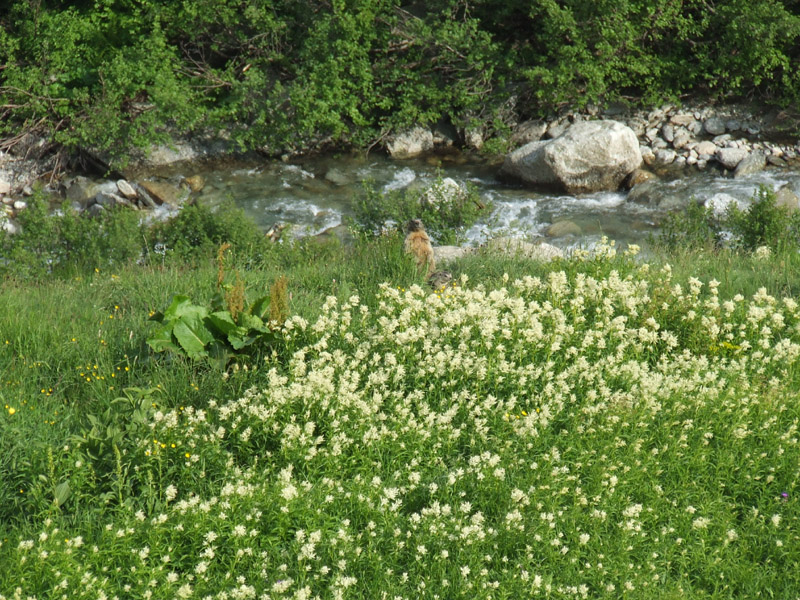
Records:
x=61, y=493
x=260, y=308
x=193, y=340
x=162, y=339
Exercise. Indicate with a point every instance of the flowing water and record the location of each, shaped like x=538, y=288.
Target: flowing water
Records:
x=315, y=195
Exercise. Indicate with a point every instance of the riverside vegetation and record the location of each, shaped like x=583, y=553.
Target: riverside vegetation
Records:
x=596, y=427
x=287, y=76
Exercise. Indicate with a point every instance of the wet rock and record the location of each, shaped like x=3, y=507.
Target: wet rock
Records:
x=639, y=176
x=777, y=161
x=196, y=183
x=411, y=143
x=731, y=157
x=165, y=193
x=753, y=163
x=337, y=177
x=563, y=229
x=590, y=156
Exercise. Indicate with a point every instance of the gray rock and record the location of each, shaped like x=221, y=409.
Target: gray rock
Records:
x=9, y=226
x=590, y=156
x=557, y=128
x=473, y=138
x=777, y=161
x=95, y=210
x=723, y=139
x=660, y=144
x=444, y=254
x=647, y=155
x=563, y=229
x=707, y=148
x=731, y=157
x=638, y=177
x=5, y=186
x=337, y=177
x=665, y=157
x=786, y=198
x=528, y=131
x=733, y=125
x=446, y=190
x=165, y=193
x=753, y=163
x=27, y=190
x=20, y=205
x=714, y=126
x=411, y=143
x=668, y=132
x=681, y=138
x=683, y=119
x=126, y=189
x=651, y=134
x=518, y=247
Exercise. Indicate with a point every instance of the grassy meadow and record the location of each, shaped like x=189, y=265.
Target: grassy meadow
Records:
x=602, y=426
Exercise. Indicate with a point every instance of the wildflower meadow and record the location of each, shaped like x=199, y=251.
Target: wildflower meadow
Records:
x=597, y=429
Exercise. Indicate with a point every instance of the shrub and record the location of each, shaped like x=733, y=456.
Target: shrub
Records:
x=445, y=212
x=198, y=231
x=67, y=241
x=763, y=223
x=694, y=228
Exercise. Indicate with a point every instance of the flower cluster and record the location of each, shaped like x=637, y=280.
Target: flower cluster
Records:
x=573, y=436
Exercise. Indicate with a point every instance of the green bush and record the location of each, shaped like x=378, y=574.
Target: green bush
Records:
x=762, y=223
x=198, y=231
x=445, y=212
x=66, y=241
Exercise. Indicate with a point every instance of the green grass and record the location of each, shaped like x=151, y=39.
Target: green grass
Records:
x=595, y=427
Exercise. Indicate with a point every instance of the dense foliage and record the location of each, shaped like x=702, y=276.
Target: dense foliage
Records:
x=286, y=74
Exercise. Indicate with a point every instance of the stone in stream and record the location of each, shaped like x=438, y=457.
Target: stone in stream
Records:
x=753, y=163
x=786, y=198
x=563, y=229
x=590, y=156
x=731, y=157
x=126, y=189
x=518, y=247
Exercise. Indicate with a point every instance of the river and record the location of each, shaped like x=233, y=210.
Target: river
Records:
x=316, y=194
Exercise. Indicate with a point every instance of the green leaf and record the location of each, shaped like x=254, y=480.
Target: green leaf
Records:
x=61, y=493
x=162, y=340
x=260, y=308
x=192, y=335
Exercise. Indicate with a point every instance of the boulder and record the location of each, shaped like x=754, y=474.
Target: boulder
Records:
x=411, y=143
x=445, y=190
x=682, y=137
x=590, y=156
x=518, y=247
x=563, y=228
x=126, y=189
x=714, y=126
x=731, y=157
x=337, y=177
x=786, y=198
x=196, y=183
x=164, y=193
x=639, y=176
x=753, y=163
x=444, y=254
x=707, y=148
x=527, y=132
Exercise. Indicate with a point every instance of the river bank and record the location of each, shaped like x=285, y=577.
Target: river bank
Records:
x=716, y=155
